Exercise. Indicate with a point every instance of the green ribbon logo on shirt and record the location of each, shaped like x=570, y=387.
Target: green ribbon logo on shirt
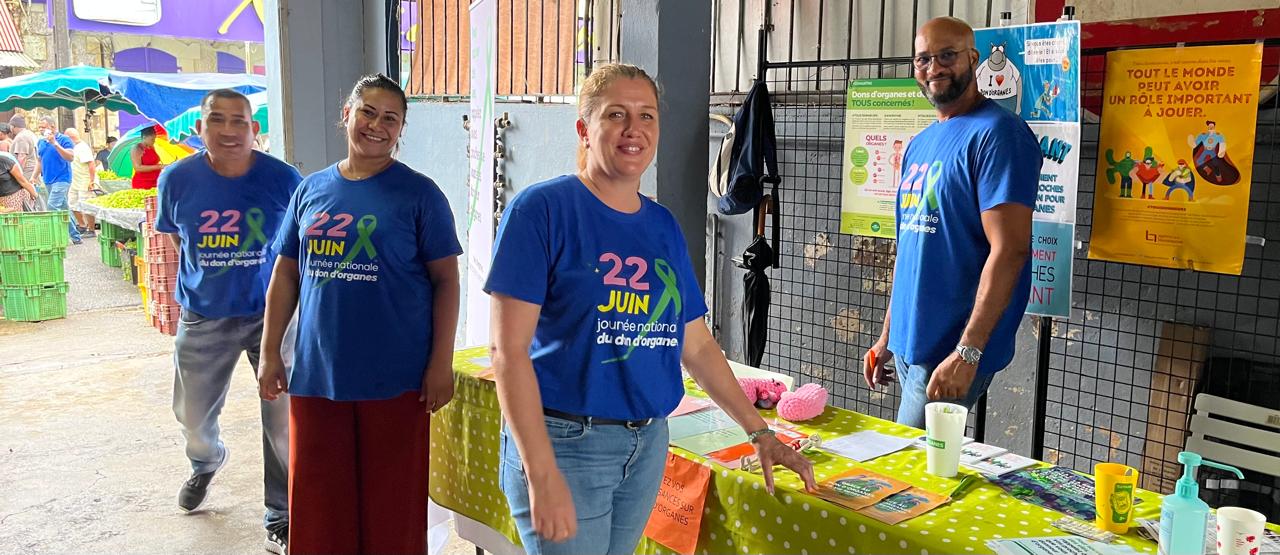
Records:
x=255, y=218
x=670, y=296
x=364, y=242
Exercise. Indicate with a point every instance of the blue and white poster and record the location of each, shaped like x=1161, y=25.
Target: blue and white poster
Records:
x=1034, y=71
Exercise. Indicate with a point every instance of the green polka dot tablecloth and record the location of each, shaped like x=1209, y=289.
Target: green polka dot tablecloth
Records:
x=739, y=516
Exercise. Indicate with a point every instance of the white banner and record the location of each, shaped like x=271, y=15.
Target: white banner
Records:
x=479, y=251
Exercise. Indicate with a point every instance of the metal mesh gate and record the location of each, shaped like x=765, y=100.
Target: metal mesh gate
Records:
x=832, y=289
x=1119, y=376
x=1143, y=341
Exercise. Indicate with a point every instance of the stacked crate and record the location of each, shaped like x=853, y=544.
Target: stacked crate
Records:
x=161, y=274
x=33, y=248
x=108, y=243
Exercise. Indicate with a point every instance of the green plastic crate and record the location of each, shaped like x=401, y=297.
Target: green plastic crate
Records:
x=110, y=254
x=32, y=267
x=21, y=231
x=33, y=303
x=115, y=233
x=126, y=264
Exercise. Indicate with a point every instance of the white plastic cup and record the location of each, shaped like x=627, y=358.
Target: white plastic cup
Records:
x=1239, y=531
x=944, y=435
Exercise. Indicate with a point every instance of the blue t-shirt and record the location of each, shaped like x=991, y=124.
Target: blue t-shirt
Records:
x=616, y=291
x=365, y=298
x=227, y=226
x=53, y=166
x=952, y=172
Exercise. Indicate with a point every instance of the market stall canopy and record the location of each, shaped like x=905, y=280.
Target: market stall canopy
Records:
x=11, y=46
x=164, y=96
x=69, y=87
x=183, y=126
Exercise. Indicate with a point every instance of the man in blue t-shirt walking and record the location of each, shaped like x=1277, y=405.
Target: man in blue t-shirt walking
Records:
x=221, y=208
x=56, y=152
x=963, y=272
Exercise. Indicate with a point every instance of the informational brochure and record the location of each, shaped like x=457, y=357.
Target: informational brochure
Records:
x=700, y=422
x=856, y=489
x=904, y=505
x=974, y=452
x=1000, y=465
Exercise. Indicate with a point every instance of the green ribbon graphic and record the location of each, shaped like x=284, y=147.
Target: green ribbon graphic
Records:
x=670, y=295
x=364, y=242
x=255, y=219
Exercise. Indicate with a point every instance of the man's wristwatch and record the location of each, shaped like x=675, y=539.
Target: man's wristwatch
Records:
x=971, y=355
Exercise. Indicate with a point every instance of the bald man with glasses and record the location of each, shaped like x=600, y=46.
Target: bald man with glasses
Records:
x=964, y=208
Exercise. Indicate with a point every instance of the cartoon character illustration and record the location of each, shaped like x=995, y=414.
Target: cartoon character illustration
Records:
x=1000, y=80
x=1121, y=169
x=1148, y=172
x=859, y=486
x=1209, y=150
x=896, y=161
x=1181, y=178
x=1044, y=102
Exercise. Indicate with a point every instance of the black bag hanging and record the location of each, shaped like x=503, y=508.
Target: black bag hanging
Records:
x=748, y=160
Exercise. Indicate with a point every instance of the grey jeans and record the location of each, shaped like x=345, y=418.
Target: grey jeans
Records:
x=205, y=355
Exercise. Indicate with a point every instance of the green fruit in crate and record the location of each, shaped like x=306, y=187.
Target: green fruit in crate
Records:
x=126, y=199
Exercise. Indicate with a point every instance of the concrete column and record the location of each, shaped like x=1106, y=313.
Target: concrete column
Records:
x=671, y=39
x=316, y=49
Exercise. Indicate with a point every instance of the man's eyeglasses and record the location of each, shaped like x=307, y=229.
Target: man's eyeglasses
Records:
x=945, y=58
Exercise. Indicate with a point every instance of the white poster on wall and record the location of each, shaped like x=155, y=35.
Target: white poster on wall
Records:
x=479, y=249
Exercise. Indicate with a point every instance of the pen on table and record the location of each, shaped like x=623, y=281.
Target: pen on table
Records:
x=961, y=487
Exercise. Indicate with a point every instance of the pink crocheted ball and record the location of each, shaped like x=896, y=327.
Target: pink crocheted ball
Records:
x=763, y=392
x=807, y=401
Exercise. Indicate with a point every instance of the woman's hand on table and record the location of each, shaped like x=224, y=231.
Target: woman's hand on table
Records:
x=551, y=505
x=772, y=451
x=437, y=385
x=873, y=365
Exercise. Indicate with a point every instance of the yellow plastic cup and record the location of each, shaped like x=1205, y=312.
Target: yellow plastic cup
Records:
x=1114, y=486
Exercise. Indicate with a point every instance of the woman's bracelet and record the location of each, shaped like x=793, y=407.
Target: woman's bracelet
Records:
x=753, y=436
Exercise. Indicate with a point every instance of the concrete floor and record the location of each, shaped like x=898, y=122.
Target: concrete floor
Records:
x=91, y=458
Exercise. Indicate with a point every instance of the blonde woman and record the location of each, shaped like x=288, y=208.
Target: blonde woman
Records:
x=595, y=307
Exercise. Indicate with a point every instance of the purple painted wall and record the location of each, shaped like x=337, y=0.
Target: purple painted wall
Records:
x=144, y=59
x=230, y=63
x=196, y=19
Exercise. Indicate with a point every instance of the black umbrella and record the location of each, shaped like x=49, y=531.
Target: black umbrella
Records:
x=758, y=257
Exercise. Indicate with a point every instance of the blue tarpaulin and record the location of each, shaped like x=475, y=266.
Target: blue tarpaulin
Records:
x=164, y=96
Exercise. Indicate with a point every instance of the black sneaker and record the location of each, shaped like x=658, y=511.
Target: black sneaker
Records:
x=196, y=488
x=277, y=538
x=85, y=234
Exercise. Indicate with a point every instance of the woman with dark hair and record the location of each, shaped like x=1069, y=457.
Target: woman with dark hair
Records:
x=368, y=256
x=16, y=193
x=146, y=161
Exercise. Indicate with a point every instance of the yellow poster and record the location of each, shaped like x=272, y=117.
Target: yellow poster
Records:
x=1175, y=157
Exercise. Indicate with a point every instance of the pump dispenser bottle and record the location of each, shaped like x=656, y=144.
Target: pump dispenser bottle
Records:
x=1183, y=516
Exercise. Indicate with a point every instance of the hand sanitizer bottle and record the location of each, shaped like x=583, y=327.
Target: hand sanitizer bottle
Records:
x=1183, y=516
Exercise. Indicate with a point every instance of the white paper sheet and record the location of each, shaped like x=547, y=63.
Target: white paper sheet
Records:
x=864, y=446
